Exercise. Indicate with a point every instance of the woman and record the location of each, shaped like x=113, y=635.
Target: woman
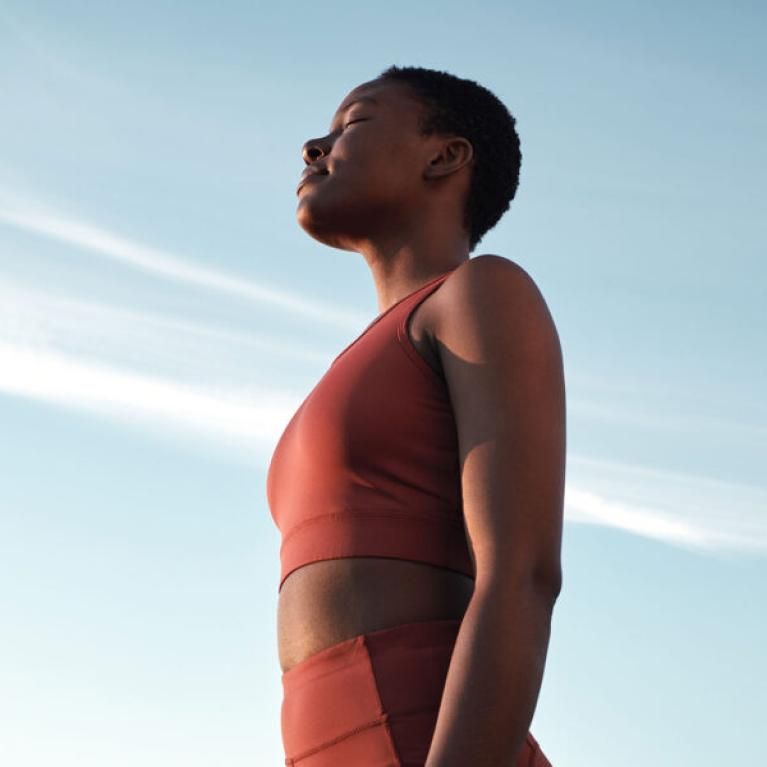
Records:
x=419, y=487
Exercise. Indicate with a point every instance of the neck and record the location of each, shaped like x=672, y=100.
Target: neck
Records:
x=401, y=263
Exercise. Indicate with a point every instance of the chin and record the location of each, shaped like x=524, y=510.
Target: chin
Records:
x=323, y=226
x=324, y=234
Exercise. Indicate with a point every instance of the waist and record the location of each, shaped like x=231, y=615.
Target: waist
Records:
x=327, y=602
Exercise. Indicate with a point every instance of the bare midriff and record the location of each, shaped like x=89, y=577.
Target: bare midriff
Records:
x=324, y=603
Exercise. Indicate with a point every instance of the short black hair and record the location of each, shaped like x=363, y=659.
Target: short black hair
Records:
x=460, y=107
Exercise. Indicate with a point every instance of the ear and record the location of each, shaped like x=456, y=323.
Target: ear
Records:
x=453, y=153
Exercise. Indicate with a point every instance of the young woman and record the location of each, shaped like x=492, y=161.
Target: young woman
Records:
x=419, y=487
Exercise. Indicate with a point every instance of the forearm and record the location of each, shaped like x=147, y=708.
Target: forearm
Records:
x=494, y=678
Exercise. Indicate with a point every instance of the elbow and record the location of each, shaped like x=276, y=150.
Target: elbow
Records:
x=546, y=581
x=551, y=583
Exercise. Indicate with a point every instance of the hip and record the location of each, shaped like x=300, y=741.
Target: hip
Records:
x=373, y=700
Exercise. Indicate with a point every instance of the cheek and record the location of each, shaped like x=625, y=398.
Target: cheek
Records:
x=368, y=181
x=377, y=160
x=388, y=178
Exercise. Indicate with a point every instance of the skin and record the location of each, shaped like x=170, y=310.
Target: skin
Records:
x=488, y=331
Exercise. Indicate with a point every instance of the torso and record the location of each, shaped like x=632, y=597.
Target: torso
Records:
x=326, y=602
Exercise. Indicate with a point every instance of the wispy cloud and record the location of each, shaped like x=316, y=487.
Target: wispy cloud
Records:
x=686, y=510
x=39, y=220
x=666, y=418
x=590, y=508
x=33, y=317
x=153, y=372
x=148, y=401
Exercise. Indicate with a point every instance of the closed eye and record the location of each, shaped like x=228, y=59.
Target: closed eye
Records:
x=357, y=120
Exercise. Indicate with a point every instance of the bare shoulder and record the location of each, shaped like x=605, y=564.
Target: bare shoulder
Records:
x=484, y=295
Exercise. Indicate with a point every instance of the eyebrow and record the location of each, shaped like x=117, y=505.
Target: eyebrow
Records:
x=351, y=104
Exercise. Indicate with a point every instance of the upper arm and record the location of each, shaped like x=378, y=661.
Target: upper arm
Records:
x=502, y=362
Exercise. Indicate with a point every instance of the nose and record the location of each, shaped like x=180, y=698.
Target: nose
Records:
x=314, y=149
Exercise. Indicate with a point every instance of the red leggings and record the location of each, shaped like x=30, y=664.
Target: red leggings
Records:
x=372, y=700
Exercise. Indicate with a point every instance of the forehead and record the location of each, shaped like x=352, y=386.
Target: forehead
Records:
x=386, y=95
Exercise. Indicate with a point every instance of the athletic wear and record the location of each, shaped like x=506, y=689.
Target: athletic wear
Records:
x=368, y=465
x=373, y=700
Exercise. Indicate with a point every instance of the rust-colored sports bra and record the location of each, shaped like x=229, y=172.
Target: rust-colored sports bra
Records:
x=368, y=464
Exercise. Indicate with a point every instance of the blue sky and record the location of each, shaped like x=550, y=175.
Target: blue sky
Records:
x=162, y=315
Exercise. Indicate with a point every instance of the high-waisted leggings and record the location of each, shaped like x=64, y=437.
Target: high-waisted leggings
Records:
x=373, y=700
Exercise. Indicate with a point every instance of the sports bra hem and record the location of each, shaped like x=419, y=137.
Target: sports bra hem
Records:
x=438, y=517
x=324, y=558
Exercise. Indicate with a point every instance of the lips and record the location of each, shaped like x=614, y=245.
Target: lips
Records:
x=309, y=173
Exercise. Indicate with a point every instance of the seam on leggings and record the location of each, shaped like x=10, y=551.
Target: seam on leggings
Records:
x=332, y=742
x=384, y=714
